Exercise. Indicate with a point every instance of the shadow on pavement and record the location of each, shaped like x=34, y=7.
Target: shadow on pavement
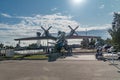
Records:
x=115, y=65
x=118, y=71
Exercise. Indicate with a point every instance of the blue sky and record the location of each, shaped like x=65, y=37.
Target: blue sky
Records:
x=22, y=18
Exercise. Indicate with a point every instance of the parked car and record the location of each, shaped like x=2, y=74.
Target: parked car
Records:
x=111, y=56
x=111, y=49
x=106, y=47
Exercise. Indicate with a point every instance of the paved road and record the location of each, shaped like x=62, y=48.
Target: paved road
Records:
x=58, y=70
x=79, y=57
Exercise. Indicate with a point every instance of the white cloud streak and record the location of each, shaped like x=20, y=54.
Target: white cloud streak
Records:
x=111, y=13
x=98, y=27
x=6, y=15
x=102, y=6
x=54, y=9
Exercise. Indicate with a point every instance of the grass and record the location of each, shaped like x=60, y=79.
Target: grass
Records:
x=17, y=56
x=24, y=57
x=36, y=57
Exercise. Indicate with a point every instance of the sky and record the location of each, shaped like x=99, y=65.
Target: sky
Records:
x=23, y=18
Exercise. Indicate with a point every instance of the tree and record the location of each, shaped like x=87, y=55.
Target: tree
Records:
x=115, y=30
x=101, y=41
x=85, y=43
x=1, y=45
x=34, y=45
x=9, y=47
x=108, y=41
x=92, y=43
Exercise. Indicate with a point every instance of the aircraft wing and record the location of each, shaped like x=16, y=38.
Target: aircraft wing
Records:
x=36, y=38
x=81, y=37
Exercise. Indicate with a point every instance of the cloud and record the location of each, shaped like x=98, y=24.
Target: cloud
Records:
x=28, y=26
x=6, y=15
x=97, y=27
x=54, y=9
x=111, y=13
x=100, y=27
x=102, y=6
x=58, y=21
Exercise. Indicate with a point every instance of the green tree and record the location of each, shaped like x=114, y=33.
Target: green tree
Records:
x=108, y=41
x=85, y=43
x=101, y=41
x=9, y=47
x=92, y=43
x=115, y=30
x=34, y=45
x=1, y=45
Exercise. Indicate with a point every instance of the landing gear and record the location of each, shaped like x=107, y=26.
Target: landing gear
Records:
x=99, y=56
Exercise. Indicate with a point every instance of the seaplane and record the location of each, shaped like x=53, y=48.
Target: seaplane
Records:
x=47, y=36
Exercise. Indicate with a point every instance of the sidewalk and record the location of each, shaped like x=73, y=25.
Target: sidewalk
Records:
x=80, y=57
x=58, y=70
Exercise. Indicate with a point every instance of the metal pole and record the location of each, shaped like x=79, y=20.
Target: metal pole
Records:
x=112, y=58
x=86, y=32
x=47, y=45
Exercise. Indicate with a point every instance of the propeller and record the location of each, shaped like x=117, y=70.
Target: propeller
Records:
x=73, y=31
x=46, y=31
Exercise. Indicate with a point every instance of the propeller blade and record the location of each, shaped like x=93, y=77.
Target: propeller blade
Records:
x=76, y=33
x=49, y=28
x=43, y=34
x=76, y=27
x=43, y=28
x=70, y=27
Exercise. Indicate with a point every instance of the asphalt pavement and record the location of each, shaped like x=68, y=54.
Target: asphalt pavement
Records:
x=62, y=69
